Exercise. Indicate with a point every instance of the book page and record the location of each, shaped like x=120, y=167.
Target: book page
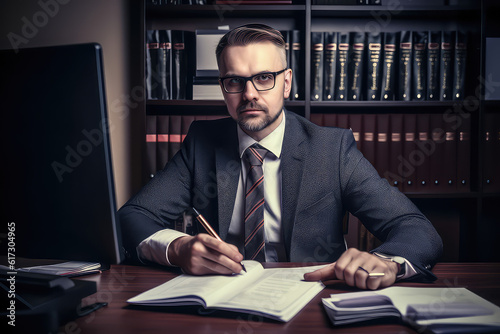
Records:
x=188, y=289
x=427, y=306
x=280, y=292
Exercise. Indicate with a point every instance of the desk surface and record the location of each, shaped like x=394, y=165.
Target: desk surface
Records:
x=122, y=282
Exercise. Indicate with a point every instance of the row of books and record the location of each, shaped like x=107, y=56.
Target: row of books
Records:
x=424, y=153
x=405, y=65
x=168, y=54
x=164, y=136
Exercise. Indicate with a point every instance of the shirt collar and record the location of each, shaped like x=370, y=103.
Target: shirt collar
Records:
x=272, y=142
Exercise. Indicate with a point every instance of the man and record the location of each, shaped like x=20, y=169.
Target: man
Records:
x=310, y=175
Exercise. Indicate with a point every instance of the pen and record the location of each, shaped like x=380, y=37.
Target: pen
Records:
x=372, y=274
x=210, y=230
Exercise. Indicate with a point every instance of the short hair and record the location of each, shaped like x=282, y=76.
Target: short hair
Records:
x=250, y=34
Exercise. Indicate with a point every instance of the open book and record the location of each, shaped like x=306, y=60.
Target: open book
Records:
x=277, y=293
x=439, y=310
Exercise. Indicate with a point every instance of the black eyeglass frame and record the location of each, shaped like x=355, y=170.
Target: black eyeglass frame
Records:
x=250, y=78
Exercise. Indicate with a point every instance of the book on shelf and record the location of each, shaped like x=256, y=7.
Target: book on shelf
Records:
x=297, y=65
x=157, y=51
x=151, y=142
x=425, y=151
x=405, y=65
x=356, y=65
x=437, y=165
x=206, y=43
x=369, y=136
x=395, y=172
x=411, y=156
x=181, y=75
x=356, y=126
x=389, y=66
x=341, y=80
x=460, y=58
x=163, y=129
x=450, y=156
x=382, y=144
x=329, y=65
x=491, y=162
x=435, y=310
x=277, y=293
x=419, y=69
x=464, y=154
x=433, y=54
x=317, y=50
x=174, y=135
x=207, y=88
x=374, y=66
x=446, y=66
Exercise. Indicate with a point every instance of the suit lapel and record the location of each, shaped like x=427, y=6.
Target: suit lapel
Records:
x=292, y=168
x=228, y=168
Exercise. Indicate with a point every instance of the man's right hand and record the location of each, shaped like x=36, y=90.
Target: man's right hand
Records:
x=203, y=254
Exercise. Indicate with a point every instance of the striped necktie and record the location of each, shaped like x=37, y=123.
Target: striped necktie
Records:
x=254, y=204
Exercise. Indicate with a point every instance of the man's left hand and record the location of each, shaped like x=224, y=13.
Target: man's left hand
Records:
x=347, y=268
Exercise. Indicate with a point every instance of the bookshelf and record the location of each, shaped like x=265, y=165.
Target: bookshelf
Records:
x=466, y=219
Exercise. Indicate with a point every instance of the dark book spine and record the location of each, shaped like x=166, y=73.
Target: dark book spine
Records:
x=433, y=54
x=437, y=167
x=374, y=71
x=286, y=38
x=356, y=66
x=463, y=155
x=389, y=66
x=356, y=125
x=419, y=76
x=450, y=157
x=405, y=62
x=411, y=156
x=330, y=120
x=395, y=172
x=446, y=66
x=341, y=75
x=153, y=79
x=163, y=140
x=382, y=144
x=460, y=61
x=329, y=64
x=151, y=143
x=179, y=65
x=317, y=119
x=369, y=133
x=425, y=147
x=296, y=66
x=317, y=47
x=175, y=135
x=164, y=38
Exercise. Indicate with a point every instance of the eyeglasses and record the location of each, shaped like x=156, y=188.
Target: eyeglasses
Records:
x=261, y=82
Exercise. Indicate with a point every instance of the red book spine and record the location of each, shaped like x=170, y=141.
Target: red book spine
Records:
x=395, y=172
x=425, y=149
x=163, y=140
x=382, y=145
x=330, y=120
x=450, y=157
x=463, y=155
x=151, y=141
x=175, y=137
x=356, y=125
x=410, y=153
x=369, y=131
x=437, y=167
x=317, y=119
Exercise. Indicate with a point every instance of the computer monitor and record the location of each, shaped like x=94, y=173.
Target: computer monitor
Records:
x=57, y=176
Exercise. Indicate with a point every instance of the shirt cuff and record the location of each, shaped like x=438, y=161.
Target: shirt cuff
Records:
x=155, y=247
x=409, y=270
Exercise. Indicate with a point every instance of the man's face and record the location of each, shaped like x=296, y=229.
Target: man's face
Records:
x=257, y=112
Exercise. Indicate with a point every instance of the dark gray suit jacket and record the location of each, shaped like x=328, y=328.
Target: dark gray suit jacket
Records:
x=323, y=175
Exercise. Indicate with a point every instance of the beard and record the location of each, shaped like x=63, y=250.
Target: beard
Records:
x=254, y=123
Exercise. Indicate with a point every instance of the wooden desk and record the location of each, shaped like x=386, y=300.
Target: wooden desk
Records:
x=122, y=282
